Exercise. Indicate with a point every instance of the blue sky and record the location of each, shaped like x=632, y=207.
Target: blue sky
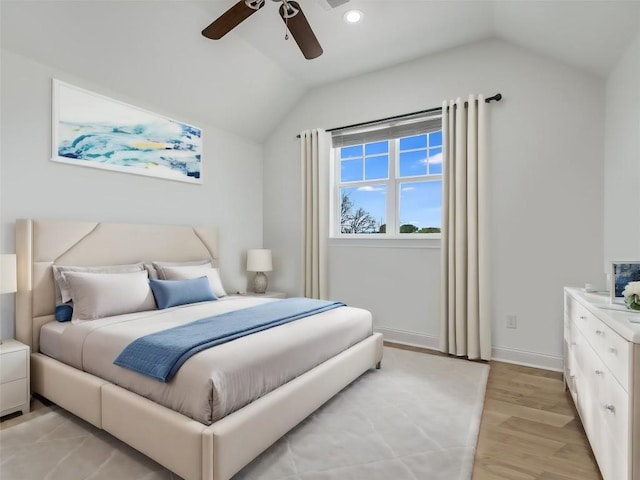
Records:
x=420, y=201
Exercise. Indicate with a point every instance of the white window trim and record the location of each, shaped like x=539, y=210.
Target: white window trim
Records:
x=393, y=199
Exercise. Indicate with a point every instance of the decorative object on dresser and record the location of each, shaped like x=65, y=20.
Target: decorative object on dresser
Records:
x=631, y=295
x=602, y=372
x=14, y=377
x=259, y=261
x=622, y=273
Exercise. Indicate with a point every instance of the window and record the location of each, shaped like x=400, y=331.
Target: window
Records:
x=388, y=187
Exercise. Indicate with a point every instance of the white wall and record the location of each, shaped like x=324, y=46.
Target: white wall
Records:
x=622, y=159
x=33, y=186
x=546, y=183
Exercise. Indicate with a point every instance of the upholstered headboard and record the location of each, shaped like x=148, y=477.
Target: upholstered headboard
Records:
x=43, y=243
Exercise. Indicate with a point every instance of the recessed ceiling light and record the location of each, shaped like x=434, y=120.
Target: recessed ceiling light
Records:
x=353, y=16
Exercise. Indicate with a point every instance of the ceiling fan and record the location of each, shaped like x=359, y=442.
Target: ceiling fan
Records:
x=291, y=14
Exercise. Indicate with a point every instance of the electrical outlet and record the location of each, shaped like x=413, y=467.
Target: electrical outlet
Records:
x=512, y=321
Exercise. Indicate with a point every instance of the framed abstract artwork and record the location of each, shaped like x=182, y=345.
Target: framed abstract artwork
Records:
x=96, y=131
x=622, y=273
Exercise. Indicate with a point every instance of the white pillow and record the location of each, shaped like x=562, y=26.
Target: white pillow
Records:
x=195, y=271
x=97, y=295
x=155, y=268
x=62, y=290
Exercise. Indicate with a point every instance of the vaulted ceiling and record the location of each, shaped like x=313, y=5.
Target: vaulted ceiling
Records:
x=246, y=82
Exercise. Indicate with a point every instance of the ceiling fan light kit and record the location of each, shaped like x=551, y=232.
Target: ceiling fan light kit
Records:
x=290, y=12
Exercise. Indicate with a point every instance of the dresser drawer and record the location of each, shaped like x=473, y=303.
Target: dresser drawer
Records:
x=587, y=405
x=613, y=463
x=579, y=315
x=13, y=394
x=611, y=401
x=614, y=350
x=13, y=366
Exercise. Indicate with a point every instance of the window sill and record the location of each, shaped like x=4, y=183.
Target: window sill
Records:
x=366, y=241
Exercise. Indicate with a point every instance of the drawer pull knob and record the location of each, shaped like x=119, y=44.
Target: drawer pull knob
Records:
x=613, y=350
x=599, y=372
x=610, y=408
x=599, y=332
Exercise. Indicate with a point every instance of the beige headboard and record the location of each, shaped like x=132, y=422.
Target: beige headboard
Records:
x=43, y=243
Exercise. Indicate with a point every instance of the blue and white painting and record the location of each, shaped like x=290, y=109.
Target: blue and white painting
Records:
x=96, y=131
x=623, y=273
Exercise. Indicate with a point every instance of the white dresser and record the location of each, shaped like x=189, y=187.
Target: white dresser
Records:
x=602, y=372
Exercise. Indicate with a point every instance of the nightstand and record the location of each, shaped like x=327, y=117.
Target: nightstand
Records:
x=14, y=377
x=267, y=294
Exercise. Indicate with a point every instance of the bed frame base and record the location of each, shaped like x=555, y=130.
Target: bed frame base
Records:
x=190, y=449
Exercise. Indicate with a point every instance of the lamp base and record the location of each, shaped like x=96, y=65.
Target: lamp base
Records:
x=260, y=282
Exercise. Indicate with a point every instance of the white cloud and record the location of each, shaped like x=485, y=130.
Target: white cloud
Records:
x=371, y=188
x=406, y=189
x=433, y=159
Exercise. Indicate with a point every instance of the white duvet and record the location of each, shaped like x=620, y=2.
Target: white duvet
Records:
x=222, y=379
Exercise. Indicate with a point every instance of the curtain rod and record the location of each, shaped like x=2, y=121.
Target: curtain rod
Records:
x=497, y=97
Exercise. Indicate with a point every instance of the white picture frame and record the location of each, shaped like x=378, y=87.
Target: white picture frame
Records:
x=623, y=272
x=93, y=130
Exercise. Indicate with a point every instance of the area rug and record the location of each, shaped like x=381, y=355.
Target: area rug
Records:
x=417, y=418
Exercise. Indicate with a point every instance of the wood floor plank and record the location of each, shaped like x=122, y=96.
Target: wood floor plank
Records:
x=528, y=413
x=497, y=471
x=525, y=444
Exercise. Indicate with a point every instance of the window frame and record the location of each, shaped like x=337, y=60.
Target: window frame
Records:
x=392, y=183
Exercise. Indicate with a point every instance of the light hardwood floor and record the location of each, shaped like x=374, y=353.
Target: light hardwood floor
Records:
x=530, y=429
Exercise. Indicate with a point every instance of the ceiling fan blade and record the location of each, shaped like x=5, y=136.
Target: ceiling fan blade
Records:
x=301, y=31
x=231, y=19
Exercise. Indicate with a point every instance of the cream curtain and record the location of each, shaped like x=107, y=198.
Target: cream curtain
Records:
x=465, y=310
x=314, y=152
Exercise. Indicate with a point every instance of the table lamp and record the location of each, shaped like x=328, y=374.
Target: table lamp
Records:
x=8, y=282
x=259, y=261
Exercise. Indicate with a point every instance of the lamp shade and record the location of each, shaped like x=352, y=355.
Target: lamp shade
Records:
x=259, y=260
x=8, y=282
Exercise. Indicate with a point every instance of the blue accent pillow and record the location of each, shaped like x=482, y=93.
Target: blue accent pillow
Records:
x=64, y=312
x=170, y=293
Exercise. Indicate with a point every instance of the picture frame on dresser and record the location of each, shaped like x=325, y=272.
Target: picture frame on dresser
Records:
x=623, y=272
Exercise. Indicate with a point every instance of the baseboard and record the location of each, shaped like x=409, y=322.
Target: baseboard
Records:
x=414, y=339
x=526, y=358
x=500, y=354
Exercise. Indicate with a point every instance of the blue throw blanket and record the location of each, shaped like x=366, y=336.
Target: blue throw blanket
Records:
x=160, y=355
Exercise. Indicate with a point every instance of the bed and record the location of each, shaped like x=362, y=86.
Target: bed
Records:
x=192, y=449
